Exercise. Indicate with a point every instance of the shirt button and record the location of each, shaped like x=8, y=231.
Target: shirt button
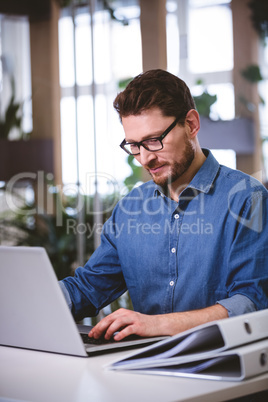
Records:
x=162, y=195
x=171, y=283
x=173, y=250
x=176, y=216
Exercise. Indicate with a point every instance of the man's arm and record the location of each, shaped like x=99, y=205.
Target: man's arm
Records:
x=127, y=322
x=168, y=324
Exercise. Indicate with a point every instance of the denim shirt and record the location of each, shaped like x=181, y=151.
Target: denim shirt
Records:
x=210, y=247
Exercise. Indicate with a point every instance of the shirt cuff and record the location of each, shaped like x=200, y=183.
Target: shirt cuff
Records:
x=66, y=295
x=237, y=305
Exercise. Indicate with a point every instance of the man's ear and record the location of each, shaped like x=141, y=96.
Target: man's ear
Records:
x=193, y=122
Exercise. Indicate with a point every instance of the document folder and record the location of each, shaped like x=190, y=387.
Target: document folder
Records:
x=234, y=365
x=206, y=343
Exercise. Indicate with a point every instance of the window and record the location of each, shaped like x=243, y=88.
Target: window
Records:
x=173, y=36
x=204, y=49
x=90, y=125
x=15, y=64
x=210, y=37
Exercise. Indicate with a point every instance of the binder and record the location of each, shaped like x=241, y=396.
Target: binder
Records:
x=204, y=342
x=234, y=365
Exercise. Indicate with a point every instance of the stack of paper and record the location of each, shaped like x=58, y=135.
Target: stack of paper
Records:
x=230, y=349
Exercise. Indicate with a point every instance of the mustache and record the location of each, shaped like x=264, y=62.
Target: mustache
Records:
x=153, y=165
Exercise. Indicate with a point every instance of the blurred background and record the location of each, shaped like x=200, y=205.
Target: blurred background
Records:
x=62, y=62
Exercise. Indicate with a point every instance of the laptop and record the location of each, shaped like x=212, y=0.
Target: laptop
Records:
x=34, y=313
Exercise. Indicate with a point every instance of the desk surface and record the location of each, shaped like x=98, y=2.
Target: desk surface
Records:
x=41, y=377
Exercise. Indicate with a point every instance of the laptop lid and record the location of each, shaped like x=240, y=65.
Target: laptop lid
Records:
x=33, y=311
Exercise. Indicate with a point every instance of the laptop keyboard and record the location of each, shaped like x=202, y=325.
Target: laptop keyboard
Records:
x=103, y=341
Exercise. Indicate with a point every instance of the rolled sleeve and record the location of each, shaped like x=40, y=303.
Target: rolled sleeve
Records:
x=237, y=305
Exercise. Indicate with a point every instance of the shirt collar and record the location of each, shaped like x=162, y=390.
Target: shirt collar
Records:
x=204, y=178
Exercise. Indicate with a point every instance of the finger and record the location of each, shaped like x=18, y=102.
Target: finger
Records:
x=128, y=330
x=126, y=323
x=100, y=328
x=103, y=326
x=117, y=326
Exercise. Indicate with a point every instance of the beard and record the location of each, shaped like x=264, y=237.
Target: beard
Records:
x=177, y=169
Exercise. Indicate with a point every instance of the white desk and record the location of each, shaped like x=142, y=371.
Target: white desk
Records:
x=44, y=377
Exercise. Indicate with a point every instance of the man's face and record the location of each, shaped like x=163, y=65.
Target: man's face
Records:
x=170, y=163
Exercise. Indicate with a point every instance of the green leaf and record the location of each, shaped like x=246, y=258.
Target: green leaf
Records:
x=203, y=103
x=252, y=73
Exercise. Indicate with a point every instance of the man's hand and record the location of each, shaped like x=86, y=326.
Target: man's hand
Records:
x=124, y=323
x=127, y=322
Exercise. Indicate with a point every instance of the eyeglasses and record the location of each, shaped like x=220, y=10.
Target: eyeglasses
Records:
x=152, y=144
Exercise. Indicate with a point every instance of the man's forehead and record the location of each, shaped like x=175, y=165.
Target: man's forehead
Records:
x=145, y=125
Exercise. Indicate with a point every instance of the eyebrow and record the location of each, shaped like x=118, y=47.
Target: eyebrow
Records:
x=146, y=138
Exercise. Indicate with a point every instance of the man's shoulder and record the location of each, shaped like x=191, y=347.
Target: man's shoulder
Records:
x=236, y=180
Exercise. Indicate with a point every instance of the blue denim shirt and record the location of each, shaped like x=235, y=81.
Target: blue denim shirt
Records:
x=210, y=247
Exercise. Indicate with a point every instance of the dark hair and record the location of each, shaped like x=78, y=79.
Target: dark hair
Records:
x=155, y=88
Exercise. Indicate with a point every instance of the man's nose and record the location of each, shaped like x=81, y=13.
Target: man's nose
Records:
x=146, y=156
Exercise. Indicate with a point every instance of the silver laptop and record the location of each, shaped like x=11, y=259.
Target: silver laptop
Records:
x=33, y=310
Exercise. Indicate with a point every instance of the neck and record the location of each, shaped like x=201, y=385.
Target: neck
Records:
x=176, y=188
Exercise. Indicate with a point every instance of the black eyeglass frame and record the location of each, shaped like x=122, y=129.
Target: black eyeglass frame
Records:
x=141, y=143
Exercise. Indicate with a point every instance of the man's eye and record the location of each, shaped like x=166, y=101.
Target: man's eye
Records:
x=134, y=147
x=152, y=141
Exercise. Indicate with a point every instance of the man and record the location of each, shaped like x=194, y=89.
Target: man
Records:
x=190, y=245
